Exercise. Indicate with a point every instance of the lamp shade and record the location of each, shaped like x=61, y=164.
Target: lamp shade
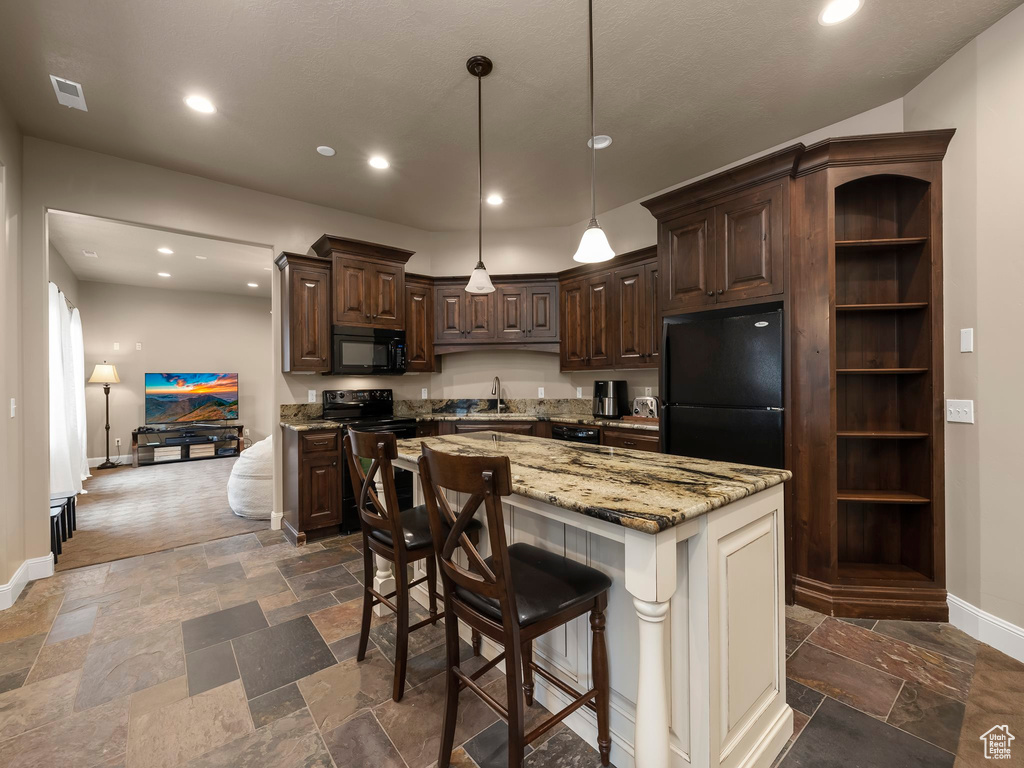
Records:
x=594, y=245
x=480, y=281
x=104, y=373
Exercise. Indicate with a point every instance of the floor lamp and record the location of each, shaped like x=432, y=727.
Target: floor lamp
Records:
x=106, y=375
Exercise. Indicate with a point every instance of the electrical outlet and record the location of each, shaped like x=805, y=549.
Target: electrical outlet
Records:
x=117, y=346
x=312, y=396
x=579, y=391
x=117, y=441
x=960, y=411
x=540, y=392
x=246, y=431
x=966, y=339
x=647, y=391
x=423, y=393
x=138, y=345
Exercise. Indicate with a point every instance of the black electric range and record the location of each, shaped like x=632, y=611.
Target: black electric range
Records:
x=367, y=410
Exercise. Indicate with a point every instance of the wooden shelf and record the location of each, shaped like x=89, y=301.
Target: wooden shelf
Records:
x=878, y=572
x=880, y=371
x=885, y=242
x=880, y=497
x=881, y=434
x=895, y=306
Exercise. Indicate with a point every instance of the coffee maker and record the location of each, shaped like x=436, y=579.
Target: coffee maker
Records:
x=611, y=399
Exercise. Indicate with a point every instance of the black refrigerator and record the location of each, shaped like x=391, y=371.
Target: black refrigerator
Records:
x=721, y=385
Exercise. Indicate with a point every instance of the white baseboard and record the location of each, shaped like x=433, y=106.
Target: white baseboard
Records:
x=275, y=520
x=30, y=570
x=989, y=629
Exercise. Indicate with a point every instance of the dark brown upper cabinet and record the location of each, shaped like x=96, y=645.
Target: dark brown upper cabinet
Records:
x=369, y=282
x=749, y=245
x=522, y=311
x=639, y=321
x=463, y=318
x=688, y=243
x=585, y=315
x=419, y=325
x=527, y=312
x=305, y=313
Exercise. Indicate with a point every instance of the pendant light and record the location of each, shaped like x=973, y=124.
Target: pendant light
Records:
x=480, y=282
x=594, y=245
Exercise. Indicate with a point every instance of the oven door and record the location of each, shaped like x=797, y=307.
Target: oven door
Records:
x=368, y=352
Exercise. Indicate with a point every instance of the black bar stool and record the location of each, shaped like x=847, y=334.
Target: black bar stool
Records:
x=513, y=597
x=402, y=537
x=56, y=535
x=67, y=514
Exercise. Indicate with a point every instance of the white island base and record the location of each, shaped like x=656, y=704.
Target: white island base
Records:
x=695, y=631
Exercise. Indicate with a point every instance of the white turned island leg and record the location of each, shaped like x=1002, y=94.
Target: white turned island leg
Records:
x=384, y=577
x=651, y=580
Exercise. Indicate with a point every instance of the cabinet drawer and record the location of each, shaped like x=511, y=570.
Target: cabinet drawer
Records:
x=633, y=439
x=318, y=442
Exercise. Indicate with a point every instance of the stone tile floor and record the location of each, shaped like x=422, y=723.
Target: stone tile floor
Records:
x=237, y=652
x=241, y=652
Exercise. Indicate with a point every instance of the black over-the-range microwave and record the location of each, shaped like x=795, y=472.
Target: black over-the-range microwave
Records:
x=368, y=351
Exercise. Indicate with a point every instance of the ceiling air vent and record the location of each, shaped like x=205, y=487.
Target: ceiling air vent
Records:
x=69, y=93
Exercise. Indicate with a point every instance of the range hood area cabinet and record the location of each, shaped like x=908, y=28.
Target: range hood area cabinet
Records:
x=369, y=282
x=305, y=313
x=611, y=317
x=419, y=325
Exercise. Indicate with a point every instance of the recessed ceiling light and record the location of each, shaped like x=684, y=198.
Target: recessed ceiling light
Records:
x=91, y=254
x=379, y=162
x=495, y=199
x=201, y=258
x=166, y=251
x=200, y=103
x=602, y=141
x=253, y=285
x=838, y=11
x=164, y=274
x=325, y=150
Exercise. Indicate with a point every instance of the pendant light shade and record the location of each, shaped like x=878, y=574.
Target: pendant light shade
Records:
x=480, y=282
x=594, y=245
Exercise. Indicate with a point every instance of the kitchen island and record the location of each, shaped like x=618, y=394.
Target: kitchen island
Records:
x=695, y=616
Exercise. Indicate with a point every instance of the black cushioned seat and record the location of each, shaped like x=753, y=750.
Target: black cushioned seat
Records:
x=416, y=525
x=544, y=585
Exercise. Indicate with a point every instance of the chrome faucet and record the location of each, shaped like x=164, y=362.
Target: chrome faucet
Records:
x=496, y=390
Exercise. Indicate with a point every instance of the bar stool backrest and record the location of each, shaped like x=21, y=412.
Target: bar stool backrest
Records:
x=379, y=448
x=486, y=479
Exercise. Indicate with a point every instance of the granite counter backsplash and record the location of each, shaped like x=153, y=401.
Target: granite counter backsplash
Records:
x=525, y=406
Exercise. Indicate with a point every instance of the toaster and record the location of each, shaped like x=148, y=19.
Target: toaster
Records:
x=646, y=407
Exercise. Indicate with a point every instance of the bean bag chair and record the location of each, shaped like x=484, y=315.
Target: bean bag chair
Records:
x=251, y=485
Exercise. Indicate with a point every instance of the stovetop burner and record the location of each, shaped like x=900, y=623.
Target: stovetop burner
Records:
x=364, y=409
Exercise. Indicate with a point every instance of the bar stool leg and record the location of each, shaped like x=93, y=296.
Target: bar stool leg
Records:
x=53, y=539
x=451, y=691
x=401, y=631
x=476, y=640
x=599, y=653
x=431, y=565
x=364, y=630
x=528, y=672
x=74, y=513
x=514, y=697
x=66, y=511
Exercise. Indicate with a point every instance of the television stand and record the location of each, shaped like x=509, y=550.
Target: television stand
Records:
x=195, y=442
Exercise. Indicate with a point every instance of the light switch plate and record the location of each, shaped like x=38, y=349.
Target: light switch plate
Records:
x=138, y=345
x=312, y=395
x=14, y=406
x=540, y=392
x=423, y=393
x=960, y=411
x=966, y=339
x=579, y=391
x=117, y=345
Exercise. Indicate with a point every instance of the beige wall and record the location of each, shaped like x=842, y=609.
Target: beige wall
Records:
x=180, y=331
x=12, y=518
x=978, y=92
x=61, y=274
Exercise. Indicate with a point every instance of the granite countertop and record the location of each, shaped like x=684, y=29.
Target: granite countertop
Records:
x=308, y=425
x=648, y=492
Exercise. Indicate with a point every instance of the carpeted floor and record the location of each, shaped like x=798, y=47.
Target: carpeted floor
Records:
x=129, y=512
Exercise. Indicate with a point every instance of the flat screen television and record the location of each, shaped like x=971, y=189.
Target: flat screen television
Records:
x=175, y=398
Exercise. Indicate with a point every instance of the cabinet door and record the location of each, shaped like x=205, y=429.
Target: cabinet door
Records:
x=688, y=252
x=309, y=322
x=480, y=316
x=419, y=327
x=542, y=312
x=450, y=303
x=387, y=291
x=597, y=326
x=635, y=440
x=573, y=348
x=750, y=252
x=320, y=496
x=516, y=428
x=513, y=321
x=351, y=282
x=631, y=316
x=653, y=309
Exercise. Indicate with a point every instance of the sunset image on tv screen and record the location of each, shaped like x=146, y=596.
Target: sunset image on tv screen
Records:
x=182, y=397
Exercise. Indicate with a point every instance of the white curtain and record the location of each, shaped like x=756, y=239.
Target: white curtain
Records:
x=68, y=465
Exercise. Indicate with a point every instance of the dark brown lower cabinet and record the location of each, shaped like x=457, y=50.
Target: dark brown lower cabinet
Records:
x=467, y=427
x=634, y=439
x=312, y=484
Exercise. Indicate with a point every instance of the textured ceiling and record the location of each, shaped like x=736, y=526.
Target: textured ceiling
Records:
x=127, y=254
x=682, y=87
